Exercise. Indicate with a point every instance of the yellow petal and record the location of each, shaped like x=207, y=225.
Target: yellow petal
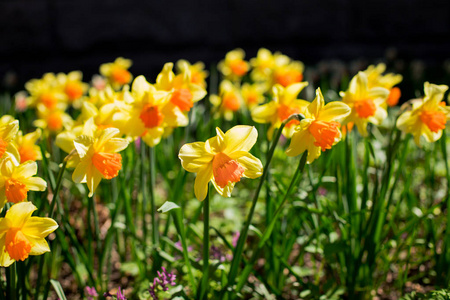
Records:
x=80, y=173
x=266, y=113
x=315, y=106
x=5, y=259
x=333, y=111
x=40, y=246
x=115, y=145
x=194, y=156
x=35, y=183
x=313, y=153
x=299, y=142
x=93, y=179
x=358, y=86
x=291, y=91
x=25, y=170
x=201, y=182
x=240, y=138
x=19, y=213
x=38, y=227
x=82, y=144
x=106, y=135
x=252, y=165
x=226, y=191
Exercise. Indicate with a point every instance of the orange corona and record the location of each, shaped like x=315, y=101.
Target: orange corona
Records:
x=109, y=164
x=226, y=170
x=434, y=120
x=151, y=116
x=17, y=245
x=324, y=133
x=365, y=108
x=183, y=99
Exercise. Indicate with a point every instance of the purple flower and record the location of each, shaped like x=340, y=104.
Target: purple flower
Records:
x=91, y=292
x=163, y=280
x=120, y=295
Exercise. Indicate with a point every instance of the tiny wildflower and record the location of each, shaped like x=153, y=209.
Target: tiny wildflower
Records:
x=223, y=160
x=162, y=282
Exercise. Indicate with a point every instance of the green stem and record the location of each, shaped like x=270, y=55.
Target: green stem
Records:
x=269, y=229
x=237, y=254
x=55, y=198
x=144, y=192
x=12, y=282
x=205, y=278
x=155, y=232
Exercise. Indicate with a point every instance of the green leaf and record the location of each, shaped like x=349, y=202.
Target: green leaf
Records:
x=58, y=289
x=167, y=206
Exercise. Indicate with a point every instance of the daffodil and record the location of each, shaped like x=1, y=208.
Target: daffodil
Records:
x=98, y=157
x=117, y=72
x=262, y=65
x=286, y=75
x=8, y=131
x=47, y=92
x=253, y=94
x=22, y=235
x=26, y=145
x=52, y=120
x=319, y=130
x=72, y=86
x=233, y=67
x=184, y=93
x=17, y=179
x=283, y=105
x=197, y=70
x=428, y=116
x=149, y=114
x=366, y=103
x=228, y=102
x=376, y=78
x=223, y=160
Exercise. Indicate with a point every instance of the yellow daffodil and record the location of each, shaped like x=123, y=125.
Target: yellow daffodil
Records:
x=98, y=158
x=8, y=131
x=47, y=92
x=117, y=72
x=72, y=86
x=184, y=93
x=428, y=116
x=17, y=179
x=253, y=94
x=228, y=102
x=22, y=235
x=262, y=65
x=286, y=75
x=149, y=114
x=233, y=67
x=223, y=160
x=197, y=70
x=52, y=120
x=319, y=130
x=375, y=78
x=26, y=145
x=366, y=103
x=283, y=104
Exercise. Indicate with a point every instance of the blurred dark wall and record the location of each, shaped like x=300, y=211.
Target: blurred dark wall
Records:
x=60, y=35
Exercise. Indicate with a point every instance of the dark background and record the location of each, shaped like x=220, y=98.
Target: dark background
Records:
x=59, y=35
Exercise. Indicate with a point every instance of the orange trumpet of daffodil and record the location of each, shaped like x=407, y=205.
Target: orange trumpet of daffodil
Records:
x=319, y=130
x=223, y=160
x=22, y=235
x=98, y=158
x=428, y=116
